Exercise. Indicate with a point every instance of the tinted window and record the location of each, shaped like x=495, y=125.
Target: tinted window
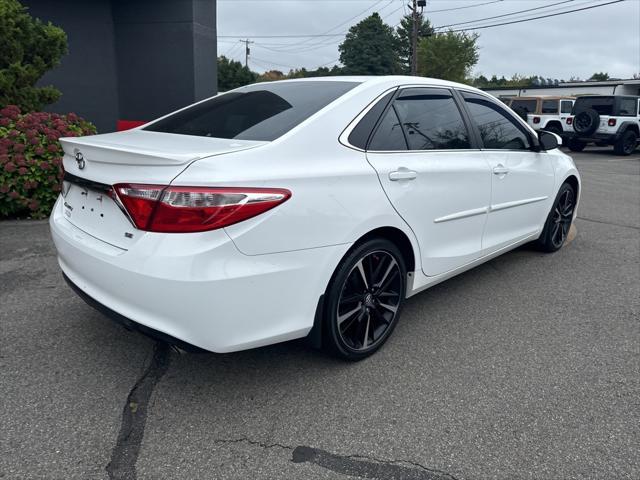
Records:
x=627, y=107
x=498, y=129
x=550, y=106
x=389, y=134
x=528, y=105
x=602, y=105
x=566, y=106
x=431, y=119
x=262, y=111
x=359, y=136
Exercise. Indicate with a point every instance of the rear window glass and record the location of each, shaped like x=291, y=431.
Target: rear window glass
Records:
x=602, y=105
x=566, y=106
x=528, y=105
x=550, y=106
x=262, y=111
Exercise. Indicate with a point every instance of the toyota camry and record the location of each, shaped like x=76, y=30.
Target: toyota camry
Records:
x=303, y=208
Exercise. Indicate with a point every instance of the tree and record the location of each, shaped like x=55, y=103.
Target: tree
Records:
x=29, y=49
x=449, y=55
x=370, y=48
x=404, y=32
x=599, y=77
x=232, y=74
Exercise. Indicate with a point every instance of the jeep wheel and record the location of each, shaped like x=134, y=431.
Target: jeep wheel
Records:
x=576, y=145
x=554, y=128
x=626, y=144
x=586, y=122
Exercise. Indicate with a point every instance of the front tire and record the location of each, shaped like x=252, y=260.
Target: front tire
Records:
x=364, y=299
x=556, y=228
x=626, y=144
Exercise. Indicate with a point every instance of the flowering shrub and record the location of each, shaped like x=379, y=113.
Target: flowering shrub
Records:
x=31, y=159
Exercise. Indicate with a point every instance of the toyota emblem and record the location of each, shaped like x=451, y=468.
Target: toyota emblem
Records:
x=80, y=160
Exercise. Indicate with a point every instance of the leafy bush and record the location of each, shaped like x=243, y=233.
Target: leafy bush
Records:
x=30, y=48
x=31, y=159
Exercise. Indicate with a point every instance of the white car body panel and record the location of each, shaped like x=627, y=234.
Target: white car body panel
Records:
x=221, y=290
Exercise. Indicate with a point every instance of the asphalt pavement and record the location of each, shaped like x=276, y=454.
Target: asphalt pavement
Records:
x=527, y=367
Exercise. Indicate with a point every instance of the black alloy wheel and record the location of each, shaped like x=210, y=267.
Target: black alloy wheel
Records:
x=556, y=229
x=626, y=144
x=365, y=299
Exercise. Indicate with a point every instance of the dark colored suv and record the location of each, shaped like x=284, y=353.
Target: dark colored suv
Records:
x=605, y=120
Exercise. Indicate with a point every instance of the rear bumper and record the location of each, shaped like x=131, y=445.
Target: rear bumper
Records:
x=198, y=288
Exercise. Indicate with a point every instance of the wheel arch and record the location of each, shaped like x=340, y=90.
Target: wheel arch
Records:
x=575, y=184
x=626, y=126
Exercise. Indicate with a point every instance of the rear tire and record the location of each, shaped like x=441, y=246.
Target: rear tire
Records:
x=556, y=228
x=364, y=300
x=576, y=145
x=626, y=144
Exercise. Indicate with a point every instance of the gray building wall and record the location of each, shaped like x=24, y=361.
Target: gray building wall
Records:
x=131, y=59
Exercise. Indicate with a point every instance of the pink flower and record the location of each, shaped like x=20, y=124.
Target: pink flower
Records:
x=13, y=194
x=39, y=151
x=22, y=171
x=4, y=121
x=33, y=205
x=34, y=141
x=11, y=111
x=72, y=117
x=13, y=133
x=44, y=166
x=4, y=188
x=52, y=147
x=18, y=147
x=10, y=167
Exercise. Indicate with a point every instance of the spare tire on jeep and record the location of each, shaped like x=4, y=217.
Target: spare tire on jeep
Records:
x=586, y=122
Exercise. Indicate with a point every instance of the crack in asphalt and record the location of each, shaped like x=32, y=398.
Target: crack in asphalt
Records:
x=124, y=455
x=608, y=223
x=362, y=466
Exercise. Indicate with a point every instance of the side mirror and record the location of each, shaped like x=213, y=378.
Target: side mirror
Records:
x=548, y=140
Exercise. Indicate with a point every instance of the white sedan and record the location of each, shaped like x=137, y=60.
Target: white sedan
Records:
x=310, y=207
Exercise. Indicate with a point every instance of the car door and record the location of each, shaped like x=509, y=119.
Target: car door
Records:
x=434, y=175
x=522, y=180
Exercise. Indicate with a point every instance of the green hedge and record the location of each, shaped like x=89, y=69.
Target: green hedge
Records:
x=31, y=159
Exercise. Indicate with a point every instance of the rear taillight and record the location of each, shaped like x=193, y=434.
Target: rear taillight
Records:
x=175, y=209
x=536, y=119
x=612, y=122
x=569, y=121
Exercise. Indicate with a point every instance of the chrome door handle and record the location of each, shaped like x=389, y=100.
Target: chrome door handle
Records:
x=500, y=170
x=402, y=174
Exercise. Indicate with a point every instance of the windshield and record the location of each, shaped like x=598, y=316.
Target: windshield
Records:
x=602, y=105
x=262, y=111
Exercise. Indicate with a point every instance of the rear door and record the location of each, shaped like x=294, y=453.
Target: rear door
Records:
x=522, y=180
x=433, y=174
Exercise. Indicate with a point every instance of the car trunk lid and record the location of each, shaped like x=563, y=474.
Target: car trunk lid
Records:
x=93, y=164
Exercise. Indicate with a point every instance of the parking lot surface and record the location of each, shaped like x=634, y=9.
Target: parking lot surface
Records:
x=527, y=367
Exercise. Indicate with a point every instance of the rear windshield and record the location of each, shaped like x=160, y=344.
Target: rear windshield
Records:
x=528, y=105
x=602, y=105
x=262, y=111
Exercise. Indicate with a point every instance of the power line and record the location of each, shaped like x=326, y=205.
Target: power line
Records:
x=538, y=17
x=465, y=7
x=505, y=14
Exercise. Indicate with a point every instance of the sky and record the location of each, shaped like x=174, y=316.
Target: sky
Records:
x=606, y=38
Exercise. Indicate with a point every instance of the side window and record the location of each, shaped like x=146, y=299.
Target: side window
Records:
x=388, y=135
x=431, y=120
x=550, y=106
x=566, y=106
x=359, y=136
x=498, y=129
x=627, y=107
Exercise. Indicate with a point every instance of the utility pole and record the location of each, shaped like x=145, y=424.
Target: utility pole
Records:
x=415, y=16
x=247, y=51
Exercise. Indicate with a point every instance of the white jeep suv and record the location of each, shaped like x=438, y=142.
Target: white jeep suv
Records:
x=606, y=120
x=544, y=112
